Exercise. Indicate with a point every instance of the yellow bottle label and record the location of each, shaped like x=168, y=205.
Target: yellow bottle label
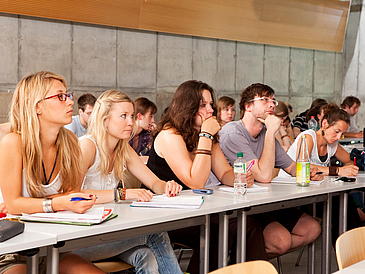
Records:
x=303, y=173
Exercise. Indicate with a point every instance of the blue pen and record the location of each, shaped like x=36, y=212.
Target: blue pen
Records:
x=74, y=199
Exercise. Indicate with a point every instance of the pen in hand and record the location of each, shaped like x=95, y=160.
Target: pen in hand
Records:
x=250, y=165
x=319, y=172
x=75, y=199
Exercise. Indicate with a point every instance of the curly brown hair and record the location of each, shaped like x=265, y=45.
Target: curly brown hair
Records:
x=182, y=111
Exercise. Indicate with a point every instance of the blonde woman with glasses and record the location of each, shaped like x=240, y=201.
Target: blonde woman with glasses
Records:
x=106, y=155
x=38, y=162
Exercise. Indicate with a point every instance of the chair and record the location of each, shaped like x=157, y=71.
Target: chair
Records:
x=350, y=247
x=111, y=266
x=252, y=267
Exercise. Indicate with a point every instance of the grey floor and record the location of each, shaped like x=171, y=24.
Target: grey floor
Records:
x=288, y=261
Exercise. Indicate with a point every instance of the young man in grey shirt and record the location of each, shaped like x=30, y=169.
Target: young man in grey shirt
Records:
x=254, y=135
x=79, y=122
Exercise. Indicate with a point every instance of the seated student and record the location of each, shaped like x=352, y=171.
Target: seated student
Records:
x=79, y=122
x=38, y=162
x=225, y=110
x=254, y=135
x=145, y=121
x=185, y=149
x=322, y=145
x=282, y=135
x=351, y=105
x=106, y=155
x=300, y=123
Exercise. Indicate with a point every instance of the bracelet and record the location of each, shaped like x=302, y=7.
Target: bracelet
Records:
x=333, y=171
x=207, y=135
x=203, y=151
x=286, y=135
x=47, y=205
x=119, y=194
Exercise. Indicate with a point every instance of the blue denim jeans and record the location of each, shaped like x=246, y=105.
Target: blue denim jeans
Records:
x=148, y=254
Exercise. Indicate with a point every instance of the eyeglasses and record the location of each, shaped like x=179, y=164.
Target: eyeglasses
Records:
x=265, y=100
x=61, y=96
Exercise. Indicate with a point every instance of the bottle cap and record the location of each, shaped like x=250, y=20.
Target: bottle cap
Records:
x=239, y=154
x=312, y=117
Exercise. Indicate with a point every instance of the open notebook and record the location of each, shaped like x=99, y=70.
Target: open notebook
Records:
x=95, y=215
x=252, y=189
x=183, y=201
x=292, y=180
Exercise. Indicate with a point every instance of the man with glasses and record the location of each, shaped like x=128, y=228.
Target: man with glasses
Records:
x=254, y=135
x=79, y=122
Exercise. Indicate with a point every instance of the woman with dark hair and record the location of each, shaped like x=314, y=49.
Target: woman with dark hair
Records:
x=283, y=137
x=185, y=149
x=322, y=145
x=145, y=111
x=225, y=110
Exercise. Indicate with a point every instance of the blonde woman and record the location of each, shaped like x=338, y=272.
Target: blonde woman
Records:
x=106, y=154
x=39, y=160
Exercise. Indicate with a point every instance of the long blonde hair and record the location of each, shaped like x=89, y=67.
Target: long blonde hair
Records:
x=98, y=130
x=24, y=121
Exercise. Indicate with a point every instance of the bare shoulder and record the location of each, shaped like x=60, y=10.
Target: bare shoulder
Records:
x=11, y=139
x=169, y=136
x=88, y=149
x=11, y=146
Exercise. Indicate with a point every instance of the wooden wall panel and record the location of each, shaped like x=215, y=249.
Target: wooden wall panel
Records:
x=104, y=12
x=312, y=24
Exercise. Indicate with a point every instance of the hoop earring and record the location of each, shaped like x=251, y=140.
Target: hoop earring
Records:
x=322, y=132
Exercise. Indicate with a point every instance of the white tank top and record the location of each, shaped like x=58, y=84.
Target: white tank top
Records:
x=314, y=159
x=47, y=190
x=93, y=177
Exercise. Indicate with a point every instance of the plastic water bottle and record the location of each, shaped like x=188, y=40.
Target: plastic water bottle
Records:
x=312, y=124
x=239, y=168
x=303, y=165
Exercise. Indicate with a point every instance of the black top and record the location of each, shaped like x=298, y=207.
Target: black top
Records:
x=161, y=169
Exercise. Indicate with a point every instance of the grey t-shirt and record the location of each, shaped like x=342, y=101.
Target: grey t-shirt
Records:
x=234, y=137
x=76, y=127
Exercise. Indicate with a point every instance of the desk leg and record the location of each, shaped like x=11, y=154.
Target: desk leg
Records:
x=53, y=258
x=204, y=246
x=241, y=235
x=343, y=213
x=326, y=235
x=311, y=248
x=223, y=240
x=33, y=261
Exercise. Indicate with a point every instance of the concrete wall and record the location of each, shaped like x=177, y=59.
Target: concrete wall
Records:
x=94, y=59
x=354, y=59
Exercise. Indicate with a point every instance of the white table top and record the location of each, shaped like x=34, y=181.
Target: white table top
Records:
x=27, y=240
x=353, y=269
x=129, y=217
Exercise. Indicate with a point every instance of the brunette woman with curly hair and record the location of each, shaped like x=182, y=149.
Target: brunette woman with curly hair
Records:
x=186, y=149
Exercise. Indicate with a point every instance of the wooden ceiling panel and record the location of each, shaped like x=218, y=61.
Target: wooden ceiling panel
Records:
x=202, y=18
x=313, y=24
x=123, y=13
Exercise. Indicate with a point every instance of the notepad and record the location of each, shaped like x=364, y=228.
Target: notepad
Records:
x=292, y=180
x=252, y=189
x=185, y=201
x=95, y=215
